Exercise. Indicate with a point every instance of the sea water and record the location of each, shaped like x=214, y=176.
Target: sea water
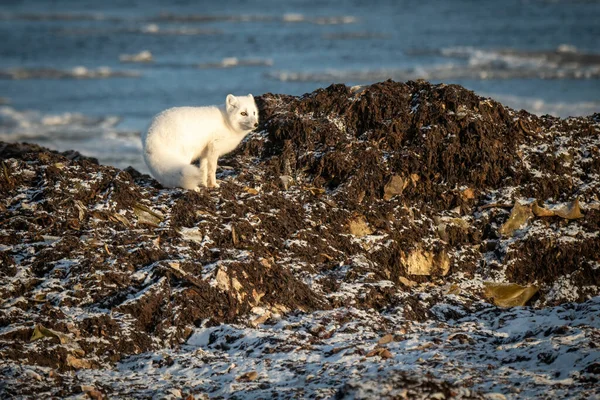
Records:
x=89, y=75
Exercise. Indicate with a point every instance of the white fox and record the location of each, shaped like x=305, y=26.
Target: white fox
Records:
x=179, y=136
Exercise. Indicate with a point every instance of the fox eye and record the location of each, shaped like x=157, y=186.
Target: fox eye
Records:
x=244, y=114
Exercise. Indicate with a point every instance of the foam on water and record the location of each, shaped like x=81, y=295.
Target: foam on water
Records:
x=481, y=64
x=35, y=16
x=332, y=20
x=542, y=107
x=198, y=18
x=143, y=56
x=142, y=28
x=563, y=55
x=230, y=62
x=171, y=17
x=97, y=137
x=78, y=72
x=286, y=18
x=155, y=29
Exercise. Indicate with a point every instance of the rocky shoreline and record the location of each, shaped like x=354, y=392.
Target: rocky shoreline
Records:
x=369, y=241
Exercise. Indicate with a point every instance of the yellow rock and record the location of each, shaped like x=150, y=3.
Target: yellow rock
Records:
x=386, y=339
x=394, y=187
x=541, y=211
x=509, y=294
x=222, y=280
x=250, y=190
x=407, y=282
x=569, y=211
x=358, y=226
x=519, y=216
x=146, y=215
x=468, y=194
x=247, y=377
x=262, y=319
x=78, y=363
x=257, y=296
x=41, y=332
x=422, y=262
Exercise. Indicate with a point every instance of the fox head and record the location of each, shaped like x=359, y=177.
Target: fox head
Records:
x=242, y=112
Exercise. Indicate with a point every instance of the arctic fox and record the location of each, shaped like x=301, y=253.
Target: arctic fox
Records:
x=179, y=136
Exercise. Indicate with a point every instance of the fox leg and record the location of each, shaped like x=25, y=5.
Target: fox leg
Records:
x=204, y=172
x=211, y=158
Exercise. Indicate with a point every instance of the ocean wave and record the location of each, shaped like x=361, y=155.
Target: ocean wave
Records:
x=541, y=107
x=289, y=18
x=354, y=36
x=168, y=17
x=231, y=62
x=332, y=20
x=26, y=125
x=97, y=137
x=334, y=75
x=144, y=56
x=564, y=62
x=154, y=29
x=563, y=56
x=480, y=65
x=147, y=29
x=178, y=18
x=58, y=17
x=79, y=72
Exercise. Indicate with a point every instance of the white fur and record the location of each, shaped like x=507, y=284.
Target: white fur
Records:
x=179, y=136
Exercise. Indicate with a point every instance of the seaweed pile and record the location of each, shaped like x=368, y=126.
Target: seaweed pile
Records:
x=357, y=225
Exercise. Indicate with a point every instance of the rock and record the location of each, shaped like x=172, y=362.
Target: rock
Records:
x=386, y=339
x=92, y=392
x=570, y=210
x=286, y=181
x=78, y=363
x=508, y=294
x=519, y=216
x=145, y=214
x=394, y=187
x=468, y=194
x=33, y=375
x=381, y=352
x=541, y=211
x=421, y=262
x=358, y=226
x=222, y=280
x=407, y=282
x=261, y=320
x=494, y=396
x=247, y=377
x=40, y=332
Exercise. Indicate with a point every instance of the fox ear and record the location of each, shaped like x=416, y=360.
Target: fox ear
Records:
x=231, y=101
x=250, y=95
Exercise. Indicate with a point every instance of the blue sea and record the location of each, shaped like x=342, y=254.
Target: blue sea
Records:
x=89, y=75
